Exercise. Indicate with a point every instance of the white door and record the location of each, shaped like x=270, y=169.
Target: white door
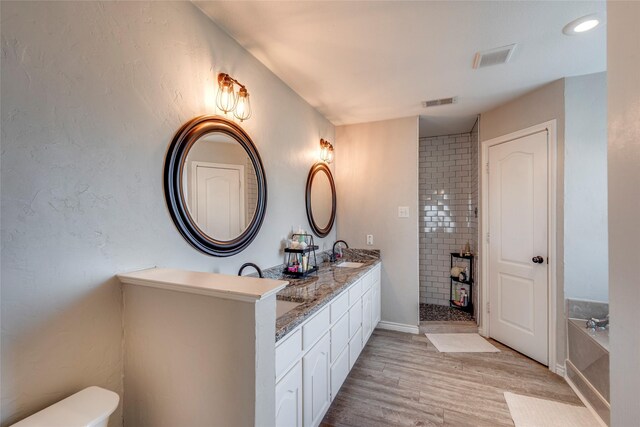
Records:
x=289, y=399
x=518, y=288
x=219, y=199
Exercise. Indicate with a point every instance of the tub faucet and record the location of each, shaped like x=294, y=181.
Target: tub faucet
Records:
x=334, y=258
x=594, y=323
x=250, y=264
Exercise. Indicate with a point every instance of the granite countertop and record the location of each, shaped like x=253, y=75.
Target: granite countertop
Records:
x=318, y=289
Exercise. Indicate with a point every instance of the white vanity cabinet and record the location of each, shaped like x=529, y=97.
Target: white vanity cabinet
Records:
x=314, y=359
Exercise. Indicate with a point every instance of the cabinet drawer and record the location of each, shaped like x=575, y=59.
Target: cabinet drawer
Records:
x=288, y=351
x=339, y=372
x=315, y=328
x=355, y=345
x=375, y=274
x=339, y=337
x=355, y=318
x=339, y=306
x=355, y=292
x=367, y=280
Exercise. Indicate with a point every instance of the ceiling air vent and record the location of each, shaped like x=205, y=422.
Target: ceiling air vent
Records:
x=436, y=102
x=500, y=55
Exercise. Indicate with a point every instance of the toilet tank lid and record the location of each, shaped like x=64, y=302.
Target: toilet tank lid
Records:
x=86, y=408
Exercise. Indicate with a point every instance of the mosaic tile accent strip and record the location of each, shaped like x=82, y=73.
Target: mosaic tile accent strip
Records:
x=440, y=313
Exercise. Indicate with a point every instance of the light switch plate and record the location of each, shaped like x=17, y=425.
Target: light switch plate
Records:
x=403, y=211
x=369, y=239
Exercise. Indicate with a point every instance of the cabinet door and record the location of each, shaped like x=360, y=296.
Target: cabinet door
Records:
x=355, y=346
x=339, y=372
x=355, y=317
x=339, y=337
x=375, y=301
x=289, y=398
x=315, y=382
x=366, y=317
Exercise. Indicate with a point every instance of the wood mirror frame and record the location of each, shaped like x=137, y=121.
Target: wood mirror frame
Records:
x=318, y=229
x=174, y=165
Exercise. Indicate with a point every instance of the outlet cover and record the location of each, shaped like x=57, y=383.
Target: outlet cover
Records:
x=369, y=239
x=403, y=211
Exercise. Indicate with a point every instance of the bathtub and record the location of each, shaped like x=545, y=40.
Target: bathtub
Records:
x=588, y=365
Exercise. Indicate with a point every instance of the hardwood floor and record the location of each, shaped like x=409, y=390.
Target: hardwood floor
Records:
x=402, y=380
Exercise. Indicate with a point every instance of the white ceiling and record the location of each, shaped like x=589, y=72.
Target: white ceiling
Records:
x=366, y=61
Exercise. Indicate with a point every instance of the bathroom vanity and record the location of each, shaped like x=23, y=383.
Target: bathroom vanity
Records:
x=319, y=340
x=209, y=349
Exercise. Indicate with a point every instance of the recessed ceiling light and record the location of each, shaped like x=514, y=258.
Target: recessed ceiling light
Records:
x=581, y=25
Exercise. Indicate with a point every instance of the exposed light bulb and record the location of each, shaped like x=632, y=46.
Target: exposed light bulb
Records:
x=326, y=151
x=226, y=98
x=243, y=107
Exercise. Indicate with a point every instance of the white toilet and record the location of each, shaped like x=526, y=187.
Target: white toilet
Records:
x=90, y=407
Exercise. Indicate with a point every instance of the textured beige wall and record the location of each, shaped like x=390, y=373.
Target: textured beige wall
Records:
x=377, y=171
x=91, y=95
x=623, y=79
x=538, y=106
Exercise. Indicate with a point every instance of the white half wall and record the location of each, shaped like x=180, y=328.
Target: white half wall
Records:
x=376, y=172
x=91, y=96
x=623, y=62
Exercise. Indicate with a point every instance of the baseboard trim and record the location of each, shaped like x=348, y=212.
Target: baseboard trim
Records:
x=561, y=370
x=399, y=327
x=482, y=332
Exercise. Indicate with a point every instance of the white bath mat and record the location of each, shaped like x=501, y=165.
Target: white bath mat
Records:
x=533, y=412
x=461, y=343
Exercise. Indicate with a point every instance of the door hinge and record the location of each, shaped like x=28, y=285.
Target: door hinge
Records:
x=487, y=168
x=488, y=238
x=488, y=308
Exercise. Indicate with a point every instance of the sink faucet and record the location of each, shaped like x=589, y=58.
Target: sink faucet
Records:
x=250, y=264
x=334, y=258
x=594, y=323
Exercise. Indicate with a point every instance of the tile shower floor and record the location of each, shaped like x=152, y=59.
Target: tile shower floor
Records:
x=441, y=313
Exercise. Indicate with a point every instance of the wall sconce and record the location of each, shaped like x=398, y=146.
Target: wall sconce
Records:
x=326, y=151
x=228, y=100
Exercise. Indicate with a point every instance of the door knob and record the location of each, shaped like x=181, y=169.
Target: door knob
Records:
x=537, y=259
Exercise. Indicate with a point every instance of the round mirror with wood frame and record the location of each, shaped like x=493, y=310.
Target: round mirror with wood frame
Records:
x=321, y=199
x=215, y=186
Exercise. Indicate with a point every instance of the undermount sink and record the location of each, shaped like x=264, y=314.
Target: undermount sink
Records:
x=349, y=264
x=283, y=307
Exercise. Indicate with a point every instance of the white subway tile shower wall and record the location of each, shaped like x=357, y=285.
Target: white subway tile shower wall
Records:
x=448, y=189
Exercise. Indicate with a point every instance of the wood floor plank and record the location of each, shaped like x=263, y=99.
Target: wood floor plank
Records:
x=403, y=380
